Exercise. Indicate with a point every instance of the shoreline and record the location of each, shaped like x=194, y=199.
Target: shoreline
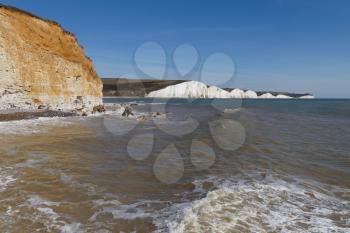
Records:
x=27, y=114
x=19, y=114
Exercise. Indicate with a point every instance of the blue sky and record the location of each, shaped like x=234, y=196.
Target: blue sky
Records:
x=282, y=45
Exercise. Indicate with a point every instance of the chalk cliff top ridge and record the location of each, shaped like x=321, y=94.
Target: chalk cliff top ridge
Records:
x=195, y=89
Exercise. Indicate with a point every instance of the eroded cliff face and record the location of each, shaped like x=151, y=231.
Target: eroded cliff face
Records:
x=41, y=64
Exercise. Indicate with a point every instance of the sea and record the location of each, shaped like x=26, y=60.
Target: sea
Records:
x=178, y=165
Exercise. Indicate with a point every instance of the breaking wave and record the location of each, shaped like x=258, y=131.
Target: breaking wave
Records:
x=33, y=126
x=265, y=206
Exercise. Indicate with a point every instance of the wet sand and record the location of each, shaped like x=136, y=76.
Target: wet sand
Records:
x=13, y=115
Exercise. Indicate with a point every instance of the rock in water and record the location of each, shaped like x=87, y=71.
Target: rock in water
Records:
x=127, y=111
x=99, y=108
x=43, y=65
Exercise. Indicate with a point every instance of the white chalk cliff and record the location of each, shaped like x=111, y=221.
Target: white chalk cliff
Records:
x=191, y=89
x=237, y=94
x=283, y=97
x=267, y=96
x=307, y=97
x=214, y=92
x=195, y=89
x=250, y=95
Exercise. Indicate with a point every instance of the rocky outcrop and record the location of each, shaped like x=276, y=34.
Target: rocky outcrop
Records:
x=43, y=65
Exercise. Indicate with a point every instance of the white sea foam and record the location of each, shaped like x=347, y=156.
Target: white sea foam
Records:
x=38, y=201
x=261, y=206
x=71, y=182
x=34, y=160
x=6, y=178
x=72, y=228
x=53, y=220
x=32, y=126
x=140, y=209
x=237, y=205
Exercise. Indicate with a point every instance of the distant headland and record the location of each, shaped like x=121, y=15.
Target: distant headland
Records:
x=121, y=87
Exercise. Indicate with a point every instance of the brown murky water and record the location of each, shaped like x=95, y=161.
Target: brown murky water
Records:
x=291, y=174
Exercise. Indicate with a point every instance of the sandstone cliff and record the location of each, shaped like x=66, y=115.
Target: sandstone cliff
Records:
x=41, y=64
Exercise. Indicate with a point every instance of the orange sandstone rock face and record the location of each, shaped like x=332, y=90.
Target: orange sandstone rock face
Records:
x=41, y=64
